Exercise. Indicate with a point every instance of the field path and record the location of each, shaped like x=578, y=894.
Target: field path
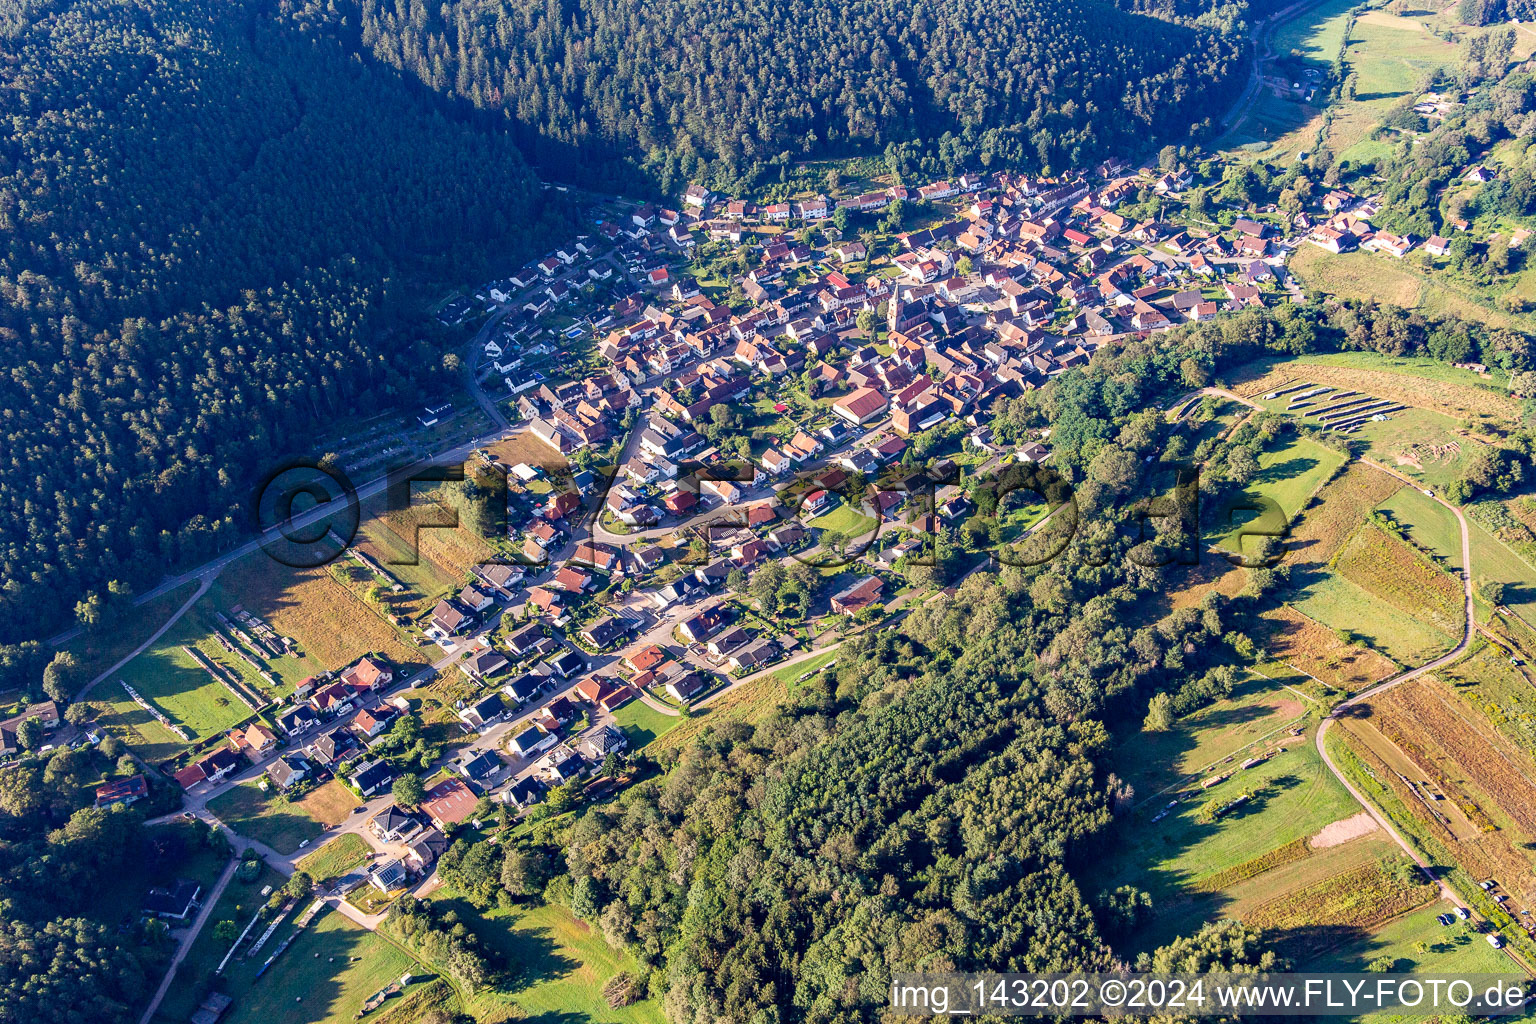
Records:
x=1469, y=629
x=190, y=936
x=202, y=588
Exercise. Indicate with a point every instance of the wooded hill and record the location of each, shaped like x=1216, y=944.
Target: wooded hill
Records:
x=722, y=91
x=208, y=215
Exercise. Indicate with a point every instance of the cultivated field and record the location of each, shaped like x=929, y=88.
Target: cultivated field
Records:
x=1313, y=648
x=1339, y=604
x=1422, y=383
x=1387, y=568
x=1503, y=692
x=1473, y=791
x=1340, y=509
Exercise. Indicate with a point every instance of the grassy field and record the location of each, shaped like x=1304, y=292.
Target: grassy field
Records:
x=179, y=687
x=337, y=857
x=1450, y=950
x=1380, y=278
x=266, y=817
x=560, y=965
x=329, y=804
x=1434, y=527
x=98, y=651
x=323, y=978
x=1428, y=523
x=330, y=624
x=848, y=520
x=1389, y=569
x=1288, y=475
x=1389, y=55
x=1154, y=761
x=1278, y=117
x=1293, y=797
x=1340, y=604
x=643, y=724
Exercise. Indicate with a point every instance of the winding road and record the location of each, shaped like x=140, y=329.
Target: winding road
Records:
x=1468, y=631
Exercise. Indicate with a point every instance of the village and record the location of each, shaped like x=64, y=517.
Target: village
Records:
x=727, y=435
x=693, y=441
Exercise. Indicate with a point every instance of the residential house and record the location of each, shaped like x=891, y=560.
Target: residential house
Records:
x=288, y=770
x=371, y=777
x=449, y=802
x=488, y=710
x=394, y=825
x=484, y=665
x=483, y=768
x=684, y=687
x=122, y=791
x=853, y=600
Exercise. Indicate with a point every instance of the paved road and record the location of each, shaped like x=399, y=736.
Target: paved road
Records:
x=1261, y=53
x=184, y=946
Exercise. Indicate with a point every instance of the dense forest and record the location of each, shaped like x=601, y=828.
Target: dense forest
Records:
x=64, y=869
x=212, y=218
x=726, y=91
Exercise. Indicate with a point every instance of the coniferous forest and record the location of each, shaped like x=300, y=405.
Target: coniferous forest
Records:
x=212, y=215
x=722, y=91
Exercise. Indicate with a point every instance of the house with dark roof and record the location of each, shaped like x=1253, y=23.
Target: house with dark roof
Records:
x=483, y=768
x=684, y=687
x=425, y=850
x=488, y=710
x=394, y=824
x=297, y=719
x=600, y=742
x=530, y=741
x=703, y=625
x=567, y=664
x=372, y=777
x=288, y=770
x=525, y=792
x=484, y=665
x=606, y=631
x=449, y=618
x=175, y=903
